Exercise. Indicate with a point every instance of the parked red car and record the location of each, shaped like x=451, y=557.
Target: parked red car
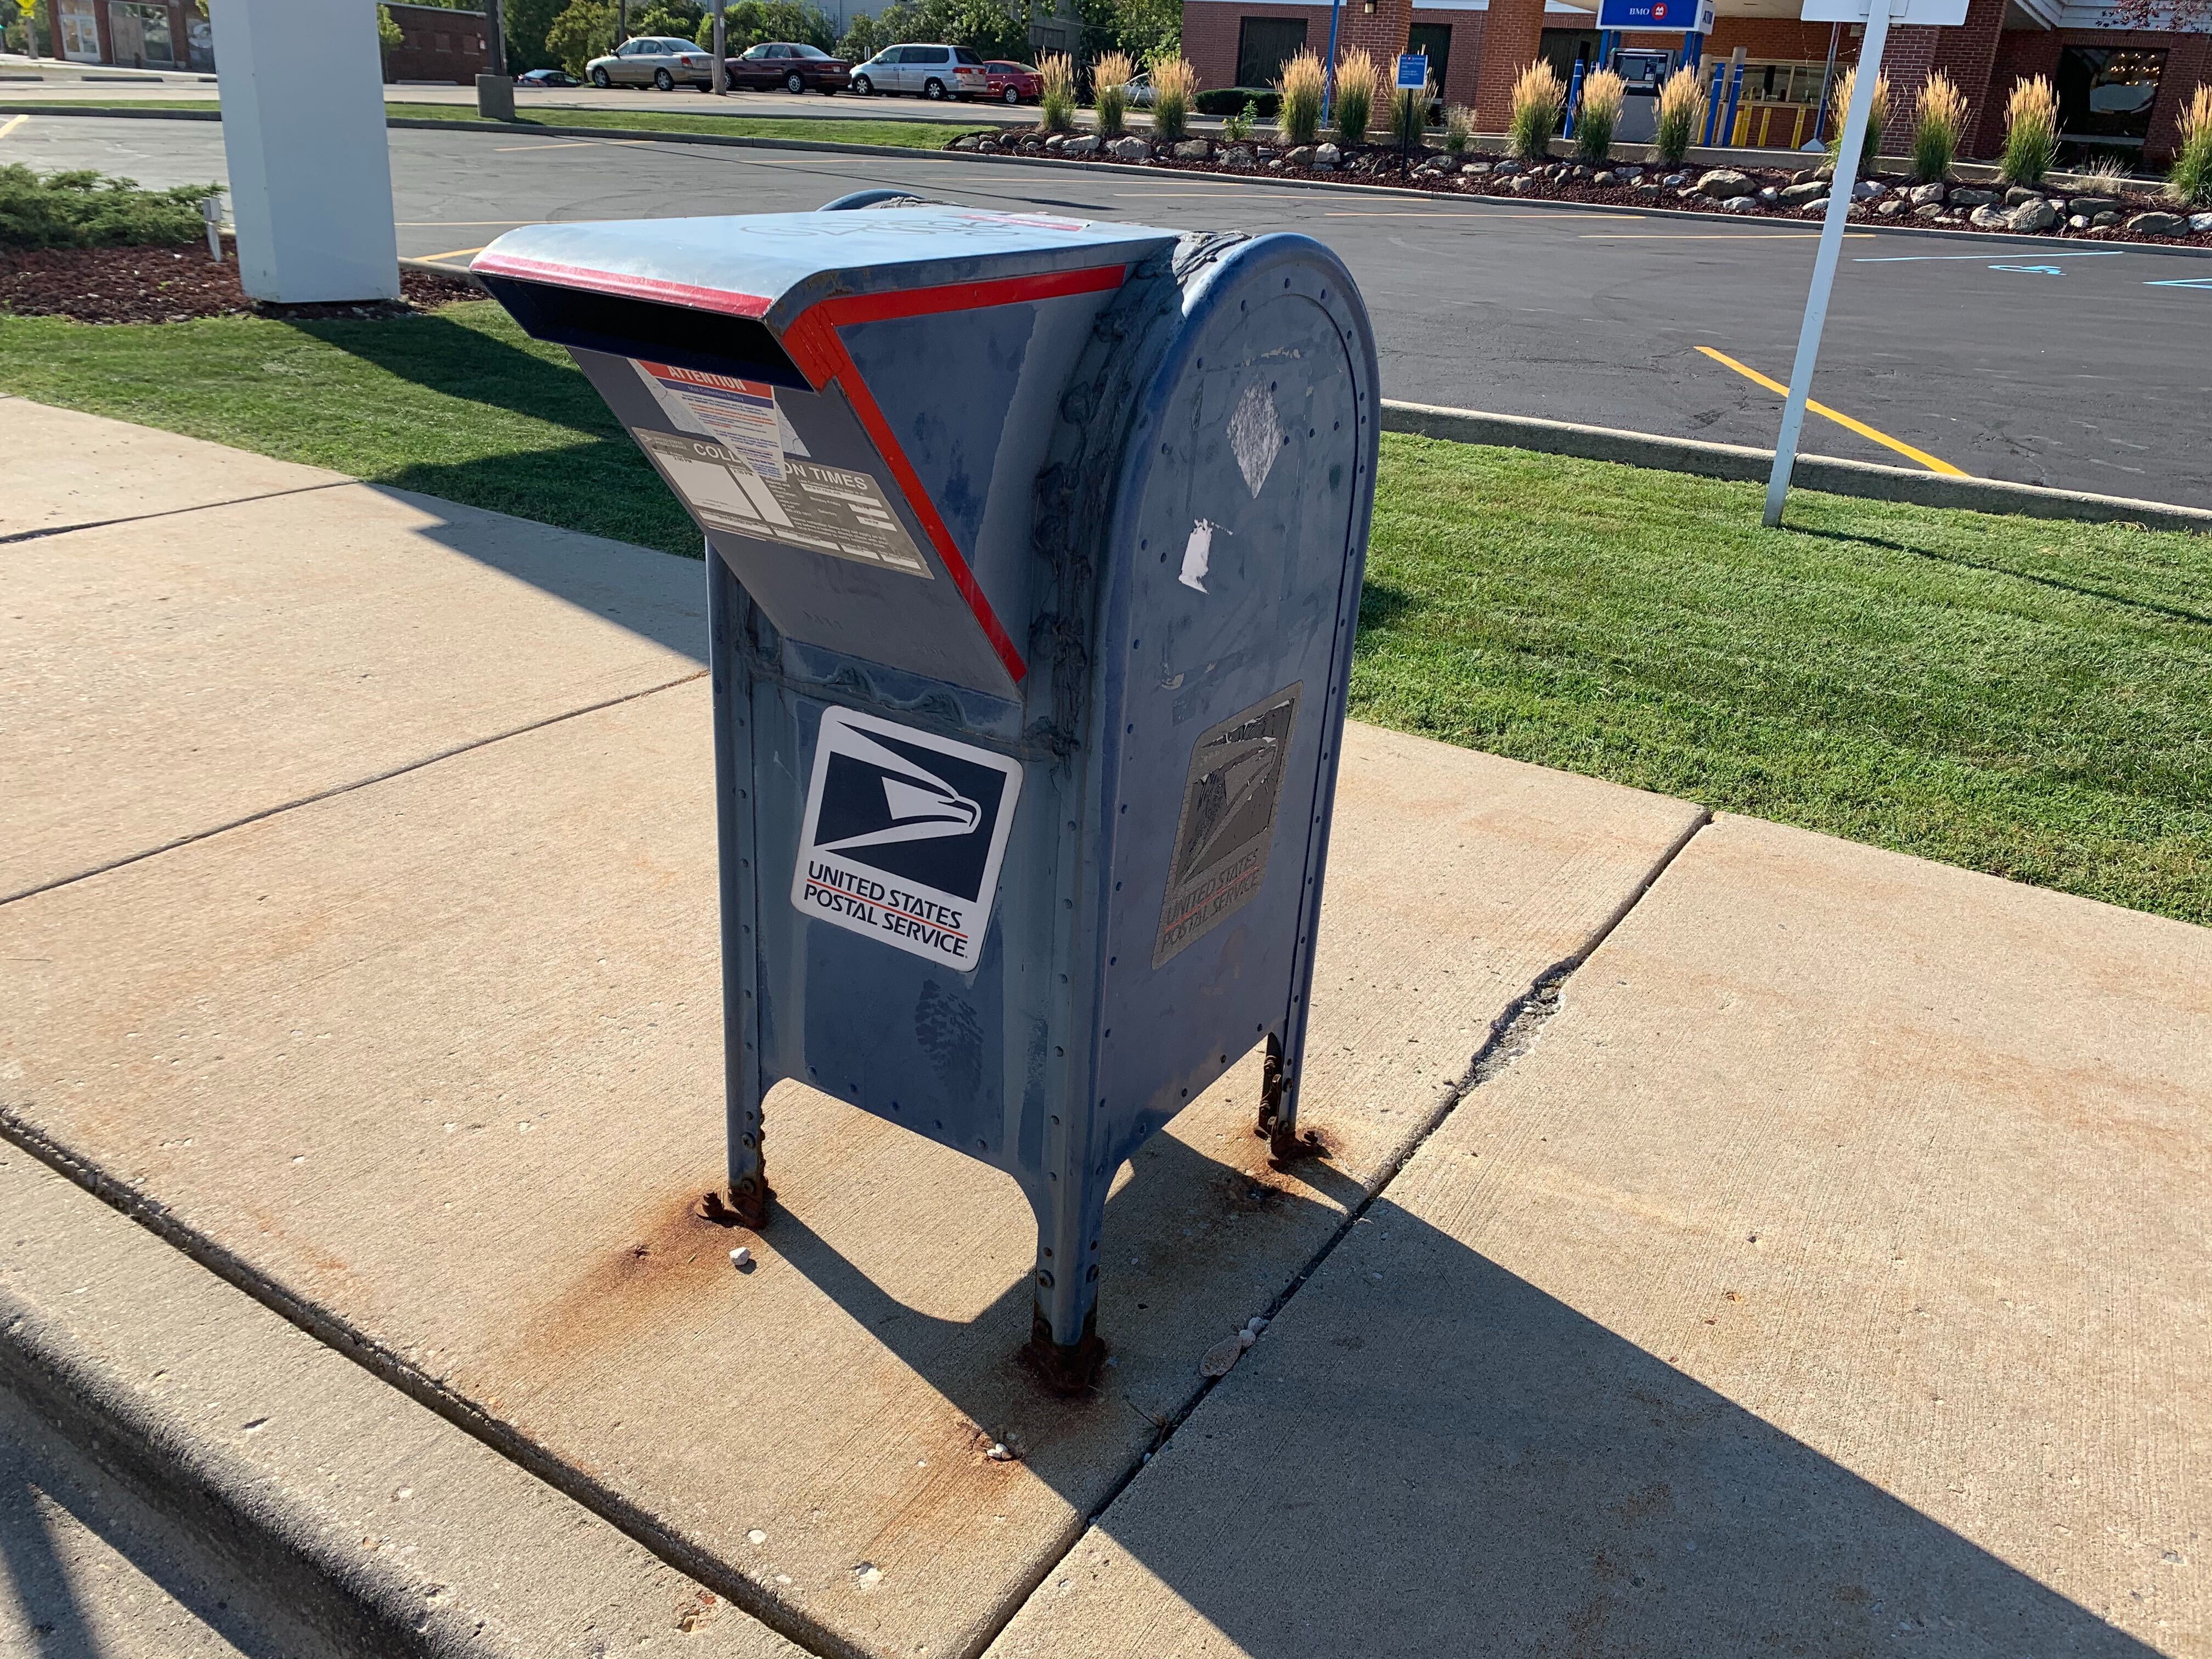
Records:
x=791, y=65
x=1013, y=83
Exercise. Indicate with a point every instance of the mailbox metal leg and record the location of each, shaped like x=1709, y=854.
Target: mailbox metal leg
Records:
x=750, y=1193
x=1064, y=1321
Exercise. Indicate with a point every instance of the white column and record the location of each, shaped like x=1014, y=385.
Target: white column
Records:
x=302, y=87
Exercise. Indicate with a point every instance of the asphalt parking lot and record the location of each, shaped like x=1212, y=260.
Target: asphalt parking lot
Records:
x=2083, y=367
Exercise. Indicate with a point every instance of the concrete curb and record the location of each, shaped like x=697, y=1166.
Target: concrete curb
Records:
x=352, y=1519
x=1741, y=463
x=1124, y=170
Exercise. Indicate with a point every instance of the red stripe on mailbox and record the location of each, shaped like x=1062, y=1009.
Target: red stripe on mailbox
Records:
x=813, y=343
x=614, y=282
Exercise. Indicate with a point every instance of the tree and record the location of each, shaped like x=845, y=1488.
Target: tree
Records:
x=2186, y=16
x=990, y=26
x=748, y=23
x=681, y=19
x=1145, y=29
x=527, y=21
x=583, y=30
x=387, y=32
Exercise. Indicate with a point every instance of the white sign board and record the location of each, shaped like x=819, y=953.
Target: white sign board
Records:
x=1936, y=13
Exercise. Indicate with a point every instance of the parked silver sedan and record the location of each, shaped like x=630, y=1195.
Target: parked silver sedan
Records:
x=652, y=60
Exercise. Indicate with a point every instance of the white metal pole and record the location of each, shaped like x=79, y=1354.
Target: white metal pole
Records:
x=1823, y=265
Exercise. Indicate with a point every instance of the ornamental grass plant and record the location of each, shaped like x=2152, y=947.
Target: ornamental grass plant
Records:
x=1598, y=116
x=1057, y=93
x=2031, y=140
x=1175, y=84
x=1303, y=85
x=1877, y=118
x=2190, y=181
x=1109, y=84
x=1538, y=97
x=1357, y=81
x=1459, y=130
x=1409, y=114
x=1681, y=113
x=1939, y=124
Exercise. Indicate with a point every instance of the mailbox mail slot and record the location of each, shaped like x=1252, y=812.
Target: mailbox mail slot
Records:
x=1034, y=552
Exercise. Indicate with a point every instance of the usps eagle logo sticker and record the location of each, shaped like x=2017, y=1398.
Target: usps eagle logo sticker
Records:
x=904, y=834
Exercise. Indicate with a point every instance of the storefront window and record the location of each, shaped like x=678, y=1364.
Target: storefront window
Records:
x=2106, y=94
x=141, y=35
x=80, y=30
x=1264, y=44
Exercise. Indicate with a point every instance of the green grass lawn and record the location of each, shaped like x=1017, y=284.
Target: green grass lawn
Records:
x=2026, y=697
x=900, y=135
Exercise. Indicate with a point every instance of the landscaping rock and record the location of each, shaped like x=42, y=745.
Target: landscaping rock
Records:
x=1195, y=149
x=1129, y=149
x=1475, y=170
x=2093, y=205
x=1741, y=205
x=1301, y=157
x=1770, y=196
x=1972, y=198
x=1869, y=189
x=1649, y=192
x=1080, y=146
x=1921, y=195
x=1506, y=167
x=2033, y=213
x=1326, y=156
x=1811, y=189
x=2159, y=224
x=2107, y=218
x=2016, y=194
x=1605, y=180
x=1057, y=142
x=971, y=141
x=1578, y=173
x=1892, y=208
x=2078, y=221
x=1989, y=218
x=1930, y=210
x=2200, y=222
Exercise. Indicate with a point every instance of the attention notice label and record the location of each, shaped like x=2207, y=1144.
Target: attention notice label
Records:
x=824, y=509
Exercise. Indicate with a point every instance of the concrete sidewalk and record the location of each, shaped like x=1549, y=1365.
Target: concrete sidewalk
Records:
x=365, y=947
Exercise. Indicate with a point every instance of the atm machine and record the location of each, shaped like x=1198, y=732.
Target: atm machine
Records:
x=1646, y=70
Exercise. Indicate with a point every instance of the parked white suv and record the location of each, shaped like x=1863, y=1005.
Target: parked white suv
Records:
x=933, y=71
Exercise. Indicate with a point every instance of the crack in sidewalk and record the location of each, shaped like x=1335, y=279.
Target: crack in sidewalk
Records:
x=1511, y=1034
x=168, y=513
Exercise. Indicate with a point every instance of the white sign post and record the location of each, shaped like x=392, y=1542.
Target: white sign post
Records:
x=1877, y=16
x=303, y=132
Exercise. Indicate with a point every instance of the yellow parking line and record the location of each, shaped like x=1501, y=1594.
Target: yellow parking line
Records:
x=1843, y=420
x=458, y=253
x=8, y=127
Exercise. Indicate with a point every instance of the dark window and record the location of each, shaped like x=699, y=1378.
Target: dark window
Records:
x=1563, y=48
x=1264, y=44
x=1435, y=40
x=965, y=55
x=808, y=52
x=2106, y=94
x=754, y=54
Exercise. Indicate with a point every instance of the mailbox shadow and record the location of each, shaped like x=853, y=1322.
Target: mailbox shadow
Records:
x=589, y=467
x=1446, y=1459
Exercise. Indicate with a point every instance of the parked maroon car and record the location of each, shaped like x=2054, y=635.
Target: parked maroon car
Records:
x=1013, y=83
x=793, y=65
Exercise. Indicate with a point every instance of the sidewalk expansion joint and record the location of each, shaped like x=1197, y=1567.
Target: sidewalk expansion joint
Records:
x=168, y=513
x=1511, y=1034
x=347, y=788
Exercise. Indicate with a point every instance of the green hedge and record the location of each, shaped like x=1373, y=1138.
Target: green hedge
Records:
x=83, y=209
x=1230, y=100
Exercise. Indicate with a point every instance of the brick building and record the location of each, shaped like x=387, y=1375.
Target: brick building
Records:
x=2120, y=92
x=437, y=44
x=151, y=34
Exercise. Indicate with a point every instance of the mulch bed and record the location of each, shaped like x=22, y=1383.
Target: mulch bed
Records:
x=176, y=284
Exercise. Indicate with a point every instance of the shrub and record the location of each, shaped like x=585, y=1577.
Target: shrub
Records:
x=1459, y=130
x=1303, y=83
x=2104, y=174
x=1681, y=113
x=1538, y=97
x=1233, y=101
x=83, y=209
x=1877, y=118
x=1175, y=84
x=1109, y=82
x=583, y=30
x=1055, y=93
x=1238, y=127
x=1357, y=79
x=1603, y=92
x=2190, y=181
x=2031, y=140
x=1939, y=122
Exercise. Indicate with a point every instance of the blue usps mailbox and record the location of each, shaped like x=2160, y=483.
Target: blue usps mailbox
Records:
x=1034, y=561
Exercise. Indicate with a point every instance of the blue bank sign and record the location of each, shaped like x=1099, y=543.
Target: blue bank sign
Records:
x=1672, y=16
x=1412, y=71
